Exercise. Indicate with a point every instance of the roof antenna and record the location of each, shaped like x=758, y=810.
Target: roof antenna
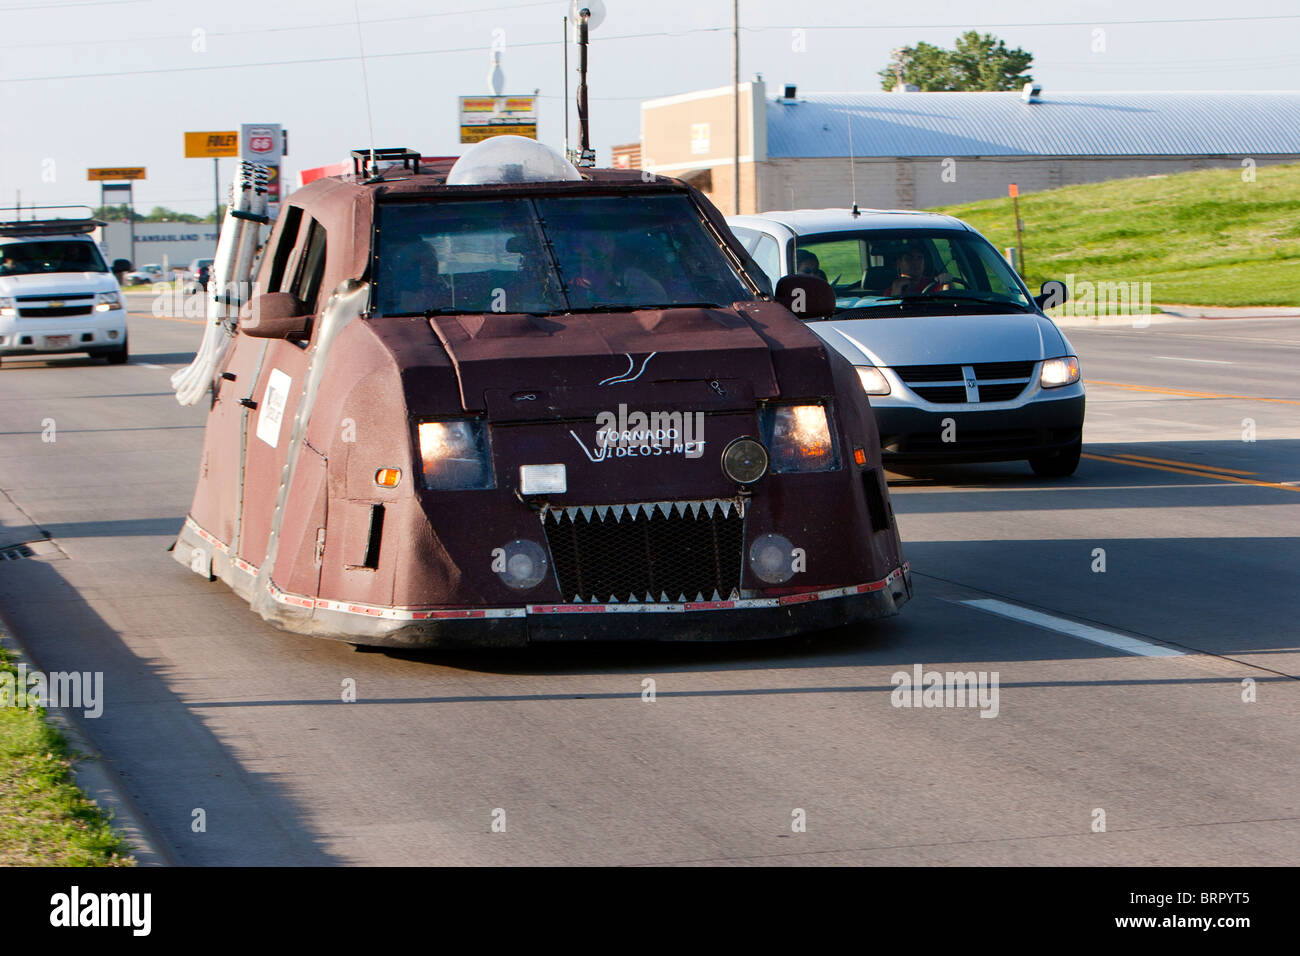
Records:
x=853, y=174
x=365, y=82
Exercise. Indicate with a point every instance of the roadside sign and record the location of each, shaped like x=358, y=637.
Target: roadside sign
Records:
x=482, y=117
x=214, y=144
x=114, y=173
x=261, y=142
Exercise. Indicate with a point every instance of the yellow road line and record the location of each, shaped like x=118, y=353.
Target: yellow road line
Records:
x=1188, y=471
x=1190, y=464
x=1179, y=391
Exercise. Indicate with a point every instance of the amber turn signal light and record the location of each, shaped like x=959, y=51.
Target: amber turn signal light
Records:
x=859, y=456
x=388, y=477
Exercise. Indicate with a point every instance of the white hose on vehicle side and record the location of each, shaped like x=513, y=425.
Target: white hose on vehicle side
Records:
x=230, y=280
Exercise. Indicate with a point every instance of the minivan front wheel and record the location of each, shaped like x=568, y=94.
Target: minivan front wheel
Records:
x=1057, y=464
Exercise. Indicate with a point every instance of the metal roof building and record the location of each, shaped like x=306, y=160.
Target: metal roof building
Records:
x=917, y=150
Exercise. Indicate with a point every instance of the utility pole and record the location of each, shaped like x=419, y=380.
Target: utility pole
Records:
x=735, y=103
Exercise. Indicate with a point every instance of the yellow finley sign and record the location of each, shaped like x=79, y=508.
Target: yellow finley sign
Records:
x=476, y=134
x=115, y=173
x=219, y=143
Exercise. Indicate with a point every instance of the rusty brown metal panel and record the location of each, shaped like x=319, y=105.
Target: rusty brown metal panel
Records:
x=216, y=504
x=262, y=462
x=298, y=569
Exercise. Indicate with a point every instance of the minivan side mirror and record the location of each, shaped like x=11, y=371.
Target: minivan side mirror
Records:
x=275, y=315
x=121, y=265
x=808, y=297
x=1052, y=294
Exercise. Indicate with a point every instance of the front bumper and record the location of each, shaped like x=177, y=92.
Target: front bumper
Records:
x=910, y=434
x=96, y=333
x=444, y=627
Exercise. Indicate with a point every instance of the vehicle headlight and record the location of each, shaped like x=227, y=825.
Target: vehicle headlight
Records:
x=799, y=439
x=1059, y=371
x=873, y=380
x=455, y=455
x=7, y=306
x=106, y=301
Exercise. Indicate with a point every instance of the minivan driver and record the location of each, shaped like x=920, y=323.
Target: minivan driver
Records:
x=914, y=278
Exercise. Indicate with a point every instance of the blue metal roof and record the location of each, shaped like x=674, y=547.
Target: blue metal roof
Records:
x=1062, y=124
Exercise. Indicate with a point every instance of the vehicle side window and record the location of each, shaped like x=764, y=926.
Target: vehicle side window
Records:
x=768, y=256
x=284, y=247
x=311, y=268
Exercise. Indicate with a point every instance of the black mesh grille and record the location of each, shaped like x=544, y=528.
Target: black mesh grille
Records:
x=53, y=312
x=687, y=554
x=929, y=373
x=987, y=370
x=942, y=394
x=1001, y=393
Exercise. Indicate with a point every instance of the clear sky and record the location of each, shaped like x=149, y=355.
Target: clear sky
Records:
x=116, y=82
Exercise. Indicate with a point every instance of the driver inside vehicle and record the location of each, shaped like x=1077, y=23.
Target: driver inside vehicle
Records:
x=598, y=275
x=915, y=273
x=414, y=273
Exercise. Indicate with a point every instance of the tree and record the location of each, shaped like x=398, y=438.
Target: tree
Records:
x=981, y=61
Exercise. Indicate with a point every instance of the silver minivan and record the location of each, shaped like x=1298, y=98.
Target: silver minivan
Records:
x=959, y=358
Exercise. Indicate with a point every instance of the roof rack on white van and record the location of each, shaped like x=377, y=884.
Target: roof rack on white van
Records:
x=44, y=225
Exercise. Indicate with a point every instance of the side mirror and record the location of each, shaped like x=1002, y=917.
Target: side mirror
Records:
x=275, y=315
x=121, y=265
x=808, y=297
x=1052, y=294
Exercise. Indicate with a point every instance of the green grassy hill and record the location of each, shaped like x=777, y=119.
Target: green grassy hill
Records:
x=1200, y=238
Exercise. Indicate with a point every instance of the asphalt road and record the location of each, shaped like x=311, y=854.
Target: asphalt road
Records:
x=208, y=708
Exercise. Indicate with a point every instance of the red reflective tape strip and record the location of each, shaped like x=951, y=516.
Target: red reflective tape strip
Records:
x=805, y=598
x=566, y=608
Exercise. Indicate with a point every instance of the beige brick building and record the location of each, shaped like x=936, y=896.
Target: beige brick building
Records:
x=919, y=150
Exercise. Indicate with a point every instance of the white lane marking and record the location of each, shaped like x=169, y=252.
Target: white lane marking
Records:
x=1179, y=358
x=1130, y=645
x=147, y=365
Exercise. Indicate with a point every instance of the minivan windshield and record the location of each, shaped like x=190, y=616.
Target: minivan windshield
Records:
x=549, y=256
x=907, y=271
x=50, y=255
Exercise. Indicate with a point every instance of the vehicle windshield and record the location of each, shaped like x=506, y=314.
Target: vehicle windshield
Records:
x=911, y=271
x=549, y=256
x=52, y=255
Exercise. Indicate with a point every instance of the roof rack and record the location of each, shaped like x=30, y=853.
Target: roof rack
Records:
x=47, y=225
x=361, y=159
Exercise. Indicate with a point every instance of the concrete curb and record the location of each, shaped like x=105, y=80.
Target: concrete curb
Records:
x=94, y=775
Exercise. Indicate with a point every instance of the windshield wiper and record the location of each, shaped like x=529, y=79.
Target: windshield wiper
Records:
x=946, y=297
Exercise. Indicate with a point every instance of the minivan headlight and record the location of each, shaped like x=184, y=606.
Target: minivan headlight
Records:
x=799, y=439
x=7, y=306
x=455, y=456
x=107, y=301
x=1059, y=371
x=873, y=380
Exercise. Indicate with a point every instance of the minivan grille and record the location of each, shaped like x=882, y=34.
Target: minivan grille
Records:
x=946, y=384
x=659, y=552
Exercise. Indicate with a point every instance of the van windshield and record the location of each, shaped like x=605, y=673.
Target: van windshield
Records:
x=911, y=271
x=52, y=255
x=549, y=256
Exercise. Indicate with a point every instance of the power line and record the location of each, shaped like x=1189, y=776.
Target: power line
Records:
x=266, y=30
x=604, y=39
x=75, y=3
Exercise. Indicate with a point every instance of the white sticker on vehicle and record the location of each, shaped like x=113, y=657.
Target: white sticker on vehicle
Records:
x=271, y=413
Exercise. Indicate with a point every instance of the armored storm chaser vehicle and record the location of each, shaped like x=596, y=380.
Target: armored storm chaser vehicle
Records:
x=503, y=400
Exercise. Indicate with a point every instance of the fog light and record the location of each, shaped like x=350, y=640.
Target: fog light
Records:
x=521, y=564
x=112, y=333
x=771, y=558
x=744, y=461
